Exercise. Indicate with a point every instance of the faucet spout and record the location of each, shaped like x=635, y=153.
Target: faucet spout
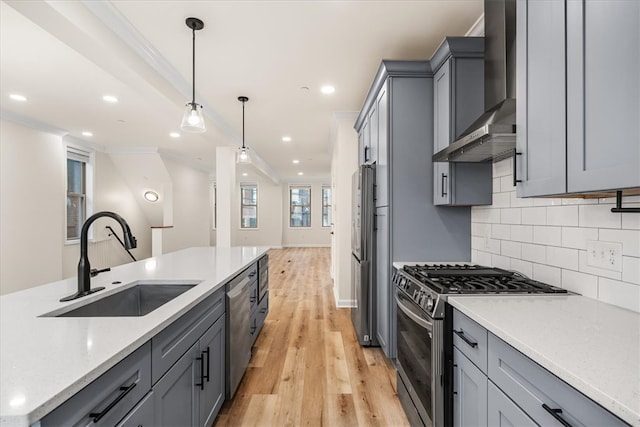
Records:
x=84, y=267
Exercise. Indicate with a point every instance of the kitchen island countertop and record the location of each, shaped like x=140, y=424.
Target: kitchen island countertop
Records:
x=46, y=360
x=591, y=345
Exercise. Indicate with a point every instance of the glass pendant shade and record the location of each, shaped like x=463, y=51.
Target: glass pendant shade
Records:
x=192, y=120
x=243, y=156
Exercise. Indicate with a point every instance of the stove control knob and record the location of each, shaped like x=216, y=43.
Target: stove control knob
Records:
x=429, y=303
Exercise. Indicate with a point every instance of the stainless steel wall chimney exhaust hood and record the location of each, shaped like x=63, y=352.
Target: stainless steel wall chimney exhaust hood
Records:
x=492, y=136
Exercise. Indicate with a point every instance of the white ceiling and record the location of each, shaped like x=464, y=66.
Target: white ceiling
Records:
x=65, y=55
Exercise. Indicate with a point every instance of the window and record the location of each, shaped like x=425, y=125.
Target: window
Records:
x=300, y=206
x=249, y=206
x=78, y=162
x=326, y=206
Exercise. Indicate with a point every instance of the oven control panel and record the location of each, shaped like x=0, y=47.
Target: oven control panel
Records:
x=424, y=297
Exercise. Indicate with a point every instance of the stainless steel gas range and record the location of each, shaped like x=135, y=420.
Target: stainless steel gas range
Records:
x=425, y=332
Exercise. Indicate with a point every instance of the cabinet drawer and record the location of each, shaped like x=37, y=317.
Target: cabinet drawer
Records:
x=263, y=311
x=531, y=386
x=253, y=296
x=112, y=395
x=170, y=344
x=471, y=339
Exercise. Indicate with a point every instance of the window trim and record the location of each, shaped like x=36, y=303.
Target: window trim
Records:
x=88, y=156
x=305, y=227
x=329, y=206
x=249, y=184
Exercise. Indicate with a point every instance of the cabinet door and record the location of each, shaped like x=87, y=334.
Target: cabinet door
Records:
x=470, y=392
x=383, y=285
x=177, y=394
x=603, y=94
x=441, y=131
x=502, y=412
x=540, y=99
x=366, y=143
x=373, y=133
x=382, y=162
x=142, y=415
x=213, y=351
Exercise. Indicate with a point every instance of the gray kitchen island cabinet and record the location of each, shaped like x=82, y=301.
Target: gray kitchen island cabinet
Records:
x=578, y=122
x=400, y=106
x=458, y=97
x=470, y=392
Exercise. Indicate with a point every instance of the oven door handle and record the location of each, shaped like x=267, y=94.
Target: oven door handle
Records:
x=413, y=316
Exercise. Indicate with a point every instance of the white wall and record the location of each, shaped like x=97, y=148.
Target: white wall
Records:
x=316, y=235
x=32, y=194
x=111, y=193
x=269, y=231
x=546, y=239
x=344, y=162
x=192, y=208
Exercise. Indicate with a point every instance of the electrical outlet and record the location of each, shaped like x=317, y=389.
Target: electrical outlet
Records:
x=605, y=255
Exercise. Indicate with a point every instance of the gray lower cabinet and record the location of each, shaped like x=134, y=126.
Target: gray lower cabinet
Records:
x=212, y=392
x=458, y=99
x=577, y=121
x=382, y=299
x=142, y=415
x=470, y=392
x=517, y=391
x=503, y=412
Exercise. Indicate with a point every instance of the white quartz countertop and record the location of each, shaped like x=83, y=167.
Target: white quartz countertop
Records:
x=593, y=346
x=46, y=360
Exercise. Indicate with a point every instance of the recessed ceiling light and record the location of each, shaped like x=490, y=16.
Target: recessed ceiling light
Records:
x=295, y=162
x=286, y=138
x=18, y=97
x=110, y=98
x=245, y=174
x=300, y=173
x=151, y=196
x=87, y=133
x=174, y=135
x=327, y=89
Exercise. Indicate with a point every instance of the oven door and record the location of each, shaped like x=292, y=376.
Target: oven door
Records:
x=414, y=356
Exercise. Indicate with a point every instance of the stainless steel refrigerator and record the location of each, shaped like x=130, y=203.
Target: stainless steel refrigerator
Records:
x=363, y=255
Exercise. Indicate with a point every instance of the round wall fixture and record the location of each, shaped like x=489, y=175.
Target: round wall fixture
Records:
x=151, y=196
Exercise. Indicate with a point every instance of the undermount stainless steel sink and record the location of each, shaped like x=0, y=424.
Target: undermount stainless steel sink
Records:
x=137, y=300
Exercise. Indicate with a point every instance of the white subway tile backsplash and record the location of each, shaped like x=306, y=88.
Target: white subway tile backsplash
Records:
x=584, y=284
x=510, y=216
x=547, y=235
x=630, y=240
x=574, y=237
x=506, y=184
x=562, y=215
x=583, y=267
x=524, y=267
x=501, y=262
x=534, y=253
x=534, y=216
x=599, y=216
x=546, y=239
x=511, y=249
x=522, y=233
x=563, y=257
x=547, y=274
x=501, y=200
x=631, y=269
x=501, y=231
x=623, y=294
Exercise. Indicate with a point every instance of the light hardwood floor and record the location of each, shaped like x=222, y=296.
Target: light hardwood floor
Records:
x=307, y=366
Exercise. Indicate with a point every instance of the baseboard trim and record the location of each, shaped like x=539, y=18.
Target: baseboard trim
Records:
x=345, y=303
x=311, y=245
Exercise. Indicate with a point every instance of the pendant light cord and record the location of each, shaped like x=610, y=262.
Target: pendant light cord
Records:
x=193, y=68
x=243, y=124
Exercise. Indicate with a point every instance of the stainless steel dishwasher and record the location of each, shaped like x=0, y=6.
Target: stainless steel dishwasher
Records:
x=238, y=325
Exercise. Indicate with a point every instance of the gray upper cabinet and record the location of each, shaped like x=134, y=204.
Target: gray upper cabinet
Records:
x=458, y=99
x=603, y=95
x=578, y=122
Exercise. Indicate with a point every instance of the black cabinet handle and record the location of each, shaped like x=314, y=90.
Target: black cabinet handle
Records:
x=263, y=310
x=366, y=151
x=206, y=377
x=442, y=191
x=464, y=338
x=555, y=413
x=515, y=167
x=201, y=383
x=253, y=273
x=125, y=390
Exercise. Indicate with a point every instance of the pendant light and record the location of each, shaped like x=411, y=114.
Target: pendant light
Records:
x=243, y=156
x=192, y=120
